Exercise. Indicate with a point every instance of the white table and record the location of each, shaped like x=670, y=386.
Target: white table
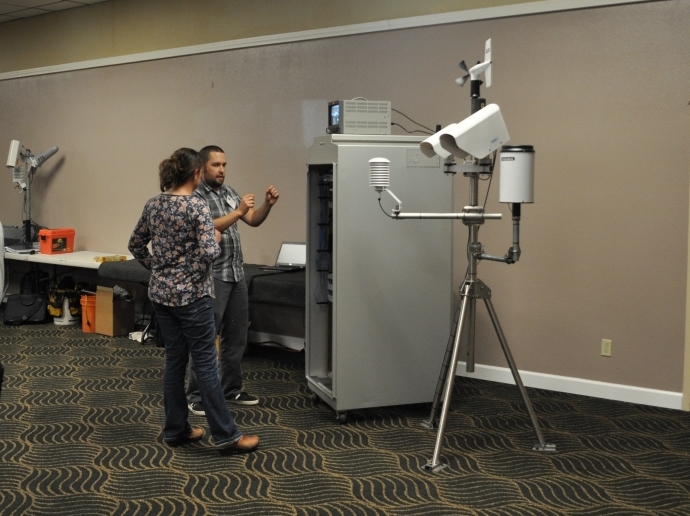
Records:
x=77, y=259
x=81, y=259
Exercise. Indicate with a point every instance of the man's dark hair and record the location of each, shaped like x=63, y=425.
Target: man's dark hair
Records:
x=206, y=152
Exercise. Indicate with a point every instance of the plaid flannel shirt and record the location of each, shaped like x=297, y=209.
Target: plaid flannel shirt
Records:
x=229, y=266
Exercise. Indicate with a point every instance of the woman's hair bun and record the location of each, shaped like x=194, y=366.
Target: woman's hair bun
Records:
x=178, y=168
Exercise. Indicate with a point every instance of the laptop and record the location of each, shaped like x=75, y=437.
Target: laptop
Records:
x=291, y=257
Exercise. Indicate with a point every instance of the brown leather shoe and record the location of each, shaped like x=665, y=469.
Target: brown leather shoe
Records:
x=195, y=434
x=246, y=444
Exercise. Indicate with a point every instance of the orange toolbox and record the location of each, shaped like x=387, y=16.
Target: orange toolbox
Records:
x=56, y=241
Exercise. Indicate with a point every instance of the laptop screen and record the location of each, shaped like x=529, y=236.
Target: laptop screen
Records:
x=292, y=253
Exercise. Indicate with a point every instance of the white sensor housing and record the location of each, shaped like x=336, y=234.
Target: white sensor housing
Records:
x=379, y=174
x=517, y=174
x=432, y=145
x=14, y=153
x=478, y=135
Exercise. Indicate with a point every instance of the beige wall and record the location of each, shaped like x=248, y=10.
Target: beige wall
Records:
x=601, y=93
x=121, y=27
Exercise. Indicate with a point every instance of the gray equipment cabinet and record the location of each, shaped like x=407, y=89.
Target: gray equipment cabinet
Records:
x=379, y=291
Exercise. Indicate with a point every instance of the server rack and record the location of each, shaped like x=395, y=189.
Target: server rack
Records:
x=379, y=291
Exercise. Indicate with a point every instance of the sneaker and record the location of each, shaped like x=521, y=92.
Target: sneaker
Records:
x=197, y=408
x=195, y=434
x=246, y=444
x=244, y=399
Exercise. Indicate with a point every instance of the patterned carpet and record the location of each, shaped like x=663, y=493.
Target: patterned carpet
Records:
x=81, y=416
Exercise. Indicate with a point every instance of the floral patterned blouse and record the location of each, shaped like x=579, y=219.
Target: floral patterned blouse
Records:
x=183, y=248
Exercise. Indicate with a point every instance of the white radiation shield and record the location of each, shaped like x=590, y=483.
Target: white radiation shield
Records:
x=379, y=174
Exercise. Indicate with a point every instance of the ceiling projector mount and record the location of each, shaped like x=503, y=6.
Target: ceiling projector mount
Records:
x=474, y=143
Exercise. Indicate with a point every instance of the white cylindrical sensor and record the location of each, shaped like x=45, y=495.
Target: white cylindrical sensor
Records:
x=14, y=153
x=517, y=174
x=379, y=174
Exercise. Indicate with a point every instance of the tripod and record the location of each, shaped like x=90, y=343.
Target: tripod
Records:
x=474, y=138
x=472, y=289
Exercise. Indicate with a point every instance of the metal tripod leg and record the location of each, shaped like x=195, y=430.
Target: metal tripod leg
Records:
x=435, y=465
x=445, y=366
x=541, y=445
x=471, y=291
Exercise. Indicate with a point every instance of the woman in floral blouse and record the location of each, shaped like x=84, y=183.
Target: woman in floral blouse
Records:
x=183, y=246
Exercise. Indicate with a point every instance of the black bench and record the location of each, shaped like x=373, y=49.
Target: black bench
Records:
x=276, y=299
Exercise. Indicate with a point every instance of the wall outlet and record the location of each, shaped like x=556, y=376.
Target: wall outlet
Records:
x=606, y=347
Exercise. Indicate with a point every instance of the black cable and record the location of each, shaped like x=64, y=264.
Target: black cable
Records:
x=323, y=254
x=410, y=132
x=487, y=191
x=467, y=270
x=384, y=211
x=467, y=246
x=420, y=125
x=493, y=163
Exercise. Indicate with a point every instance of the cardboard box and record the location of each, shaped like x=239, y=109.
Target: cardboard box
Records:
x=114, y=317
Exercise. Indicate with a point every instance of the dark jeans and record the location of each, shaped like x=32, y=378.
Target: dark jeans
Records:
x=186, y=330
x=231, y=314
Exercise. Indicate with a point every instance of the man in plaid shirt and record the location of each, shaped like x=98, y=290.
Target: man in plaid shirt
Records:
x=231, y=305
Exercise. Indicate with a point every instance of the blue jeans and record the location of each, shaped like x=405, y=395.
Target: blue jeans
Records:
x=186, y=330
x=231, y=313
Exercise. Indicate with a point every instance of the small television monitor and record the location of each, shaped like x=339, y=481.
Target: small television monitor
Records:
x=335, y=112
x=359, y=116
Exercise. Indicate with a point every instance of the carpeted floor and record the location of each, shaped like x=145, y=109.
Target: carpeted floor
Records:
x=80, y=433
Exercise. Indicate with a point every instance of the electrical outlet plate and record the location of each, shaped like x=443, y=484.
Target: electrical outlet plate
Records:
x=606, y=347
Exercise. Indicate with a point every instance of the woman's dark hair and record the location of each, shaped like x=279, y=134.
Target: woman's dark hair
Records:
x=178, y=168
